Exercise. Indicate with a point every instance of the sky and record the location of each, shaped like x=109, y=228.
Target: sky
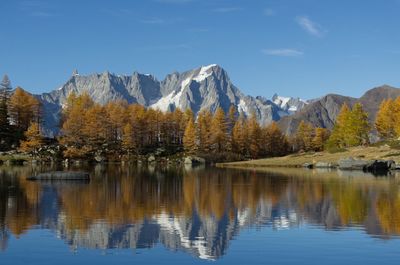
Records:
x=305, y=48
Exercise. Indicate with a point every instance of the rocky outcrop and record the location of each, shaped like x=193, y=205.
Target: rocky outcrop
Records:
x=365, y=165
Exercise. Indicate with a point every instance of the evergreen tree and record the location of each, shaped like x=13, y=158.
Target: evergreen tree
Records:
x=5, y=127
x=189, y=138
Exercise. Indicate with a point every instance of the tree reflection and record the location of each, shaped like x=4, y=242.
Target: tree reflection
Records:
x=198, y=211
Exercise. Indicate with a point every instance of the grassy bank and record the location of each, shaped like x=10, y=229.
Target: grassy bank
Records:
x=297, y=160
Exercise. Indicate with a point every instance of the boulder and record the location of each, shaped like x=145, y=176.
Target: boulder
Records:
x=308, y=165
x=193, y=160
x=352, y=164
x=380, y=165
x=324, y=165
x=151, y=159
x=99, y=158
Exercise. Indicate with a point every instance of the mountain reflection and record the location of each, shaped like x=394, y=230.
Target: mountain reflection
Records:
x=196, y=211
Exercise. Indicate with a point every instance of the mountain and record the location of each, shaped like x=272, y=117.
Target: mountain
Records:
x=207, y=87
x=289, y=104
x=323, y=112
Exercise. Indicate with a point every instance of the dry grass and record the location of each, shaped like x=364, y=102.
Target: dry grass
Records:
x=297, y=160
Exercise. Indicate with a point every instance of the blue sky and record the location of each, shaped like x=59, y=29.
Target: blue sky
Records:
x=304, y=48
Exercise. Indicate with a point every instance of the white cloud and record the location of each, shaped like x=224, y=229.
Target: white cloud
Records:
x=310, y=26
x=284, y=52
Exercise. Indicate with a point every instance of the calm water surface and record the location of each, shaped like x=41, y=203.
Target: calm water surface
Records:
x=131, y=215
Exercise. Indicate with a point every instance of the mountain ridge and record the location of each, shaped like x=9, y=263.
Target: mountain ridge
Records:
x=203, y=88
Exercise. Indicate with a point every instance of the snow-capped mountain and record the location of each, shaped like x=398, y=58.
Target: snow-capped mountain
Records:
x=207, y=87
x=289, y=104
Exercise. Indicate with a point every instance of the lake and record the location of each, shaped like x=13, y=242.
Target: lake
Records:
x=151, y=215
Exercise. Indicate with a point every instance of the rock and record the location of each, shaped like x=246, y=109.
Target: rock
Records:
x=308, y=165
x=151, y=159
x=193, y=160
x=380, y=165
x=61, y=175
x=325, y=165
x=352, y=164
x=99, y=158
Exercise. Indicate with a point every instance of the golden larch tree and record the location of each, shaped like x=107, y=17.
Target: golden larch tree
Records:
x=34, y=139
x=189, y=138
x=219, y=131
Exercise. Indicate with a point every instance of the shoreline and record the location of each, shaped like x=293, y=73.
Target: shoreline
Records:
x=328, y=160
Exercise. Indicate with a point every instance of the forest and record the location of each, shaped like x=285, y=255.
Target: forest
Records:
x=118, y=130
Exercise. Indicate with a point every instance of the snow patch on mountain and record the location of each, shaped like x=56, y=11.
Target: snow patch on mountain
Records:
x=204, y=73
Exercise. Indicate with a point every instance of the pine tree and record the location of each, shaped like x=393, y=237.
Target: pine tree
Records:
x=34, y=139
x=219, y=131
x=189, y=138
x=5, y=127
x=385, y=121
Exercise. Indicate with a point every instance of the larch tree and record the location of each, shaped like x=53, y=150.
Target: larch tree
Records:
x=304, y=136
x=204, y=121
x=385, y=121
x=128, y=140
x=34, y=139
x=23, y=109
x=339, y=135
x=219, y=131
x=116, y=112
x=321, y=135
x=275, y=142
x=254, y=136
x=239, y=135
x=73, y=136
x=358, y=126
x=96, y=127
x=230, y=123
x=189, y=138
